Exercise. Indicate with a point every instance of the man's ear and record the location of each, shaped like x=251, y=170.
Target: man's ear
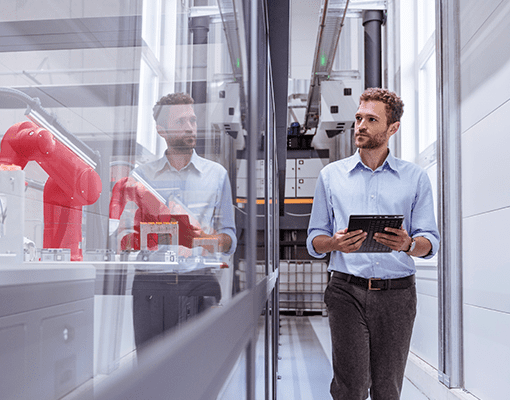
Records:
x=394, y=128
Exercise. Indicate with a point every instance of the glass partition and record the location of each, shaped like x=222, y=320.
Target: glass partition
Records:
x=124, y=181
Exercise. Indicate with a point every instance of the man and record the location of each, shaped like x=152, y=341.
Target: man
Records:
x=371, y=329
x=202, y=188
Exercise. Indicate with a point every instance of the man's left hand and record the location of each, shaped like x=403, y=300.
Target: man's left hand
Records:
x=400, y=241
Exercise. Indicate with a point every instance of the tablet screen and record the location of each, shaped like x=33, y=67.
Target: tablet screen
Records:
x=372, y=224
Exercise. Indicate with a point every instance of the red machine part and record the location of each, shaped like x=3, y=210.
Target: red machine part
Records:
x=150, y=209
x=72, y=183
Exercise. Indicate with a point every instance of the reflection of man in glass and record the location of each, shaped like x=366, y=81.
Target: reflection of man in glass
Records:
x=202, y=188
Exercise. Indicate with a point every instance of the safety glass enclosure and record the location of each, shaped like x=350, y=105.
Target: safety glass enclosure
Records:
x=124, y=181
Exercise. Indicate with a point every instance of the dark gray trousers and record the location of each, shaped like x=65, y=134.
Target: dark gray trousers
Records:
x=370, y=334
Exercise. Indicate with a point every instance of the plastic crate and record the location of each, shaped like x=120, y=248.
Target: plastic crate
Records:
x=302, y=285
x=260, y=273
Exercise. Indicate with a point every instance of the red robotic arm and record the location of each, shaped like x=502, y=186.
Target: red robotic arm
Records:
x=72, y=183
x=150, y=209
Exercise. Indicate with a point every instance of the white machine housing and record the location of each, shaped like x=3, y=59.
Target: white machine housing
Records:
x=12, y=216
x=339, y=102
x=226, y=113
x=46, y=309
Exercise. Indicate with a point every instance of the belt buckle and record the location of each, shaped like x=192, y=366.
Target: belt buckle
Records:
x=370, y=280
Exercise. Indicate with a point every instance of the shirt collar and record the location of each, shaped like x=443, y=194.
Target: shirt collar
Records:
x=356, y=162
x=391, y=162
x=195, y=161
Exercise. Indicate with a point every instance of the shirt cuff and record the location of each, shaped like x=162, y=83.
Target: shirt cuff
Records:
x=309, y=245
x=233, y=243
x=433, y=241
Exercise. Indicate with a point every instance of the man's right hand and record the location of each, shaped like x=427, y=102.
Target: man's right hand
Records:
x=346, y=242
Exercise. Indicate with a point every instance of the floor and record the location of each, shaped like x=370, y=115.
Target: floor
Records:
x=305, y=366
x=304, y=371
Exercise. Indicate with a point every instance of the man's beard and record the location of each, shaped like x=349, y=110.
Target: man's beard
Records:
x=183, y=144
x=372, y=142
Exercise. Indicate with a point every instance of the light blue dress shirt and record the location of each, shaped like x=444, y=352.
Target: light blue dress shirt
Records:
x=348, y=187
x=202, y=187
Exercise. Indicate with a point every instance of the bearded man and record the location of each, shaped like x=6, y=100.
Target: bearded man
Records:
x=371, y=297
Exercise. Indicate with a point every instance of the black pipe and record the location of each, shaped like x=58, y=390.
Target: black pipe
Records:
x=372, y=22
x=200, y=28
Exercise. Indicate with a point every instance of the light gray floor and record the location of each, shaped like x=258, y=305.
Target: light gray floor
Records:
x=305, y=365
x=305, y=368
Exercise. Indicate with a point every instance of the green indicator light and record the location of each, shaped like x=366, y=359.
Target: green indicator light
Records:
x=238, y=63
x=323, y=61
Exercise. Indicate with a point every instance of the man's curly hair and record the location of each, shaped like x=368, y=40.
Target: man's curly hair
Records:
x=394, y=104
x=170, y=100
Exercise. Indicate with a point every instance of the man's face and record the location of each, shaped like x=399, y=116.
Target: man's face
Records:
x=180, y=127
x=371, y=127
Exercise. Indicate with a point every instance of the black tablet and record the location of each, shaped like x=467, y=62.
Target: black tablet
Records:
x=372, y=224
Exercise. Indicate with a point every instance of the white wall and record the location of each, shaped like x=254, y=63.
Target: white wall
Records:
x=485, y=97
x=485, y=104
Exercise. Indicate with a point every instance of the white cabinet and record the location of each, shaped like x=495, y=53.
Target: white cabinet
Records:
x=46, y=331
x=301, y=176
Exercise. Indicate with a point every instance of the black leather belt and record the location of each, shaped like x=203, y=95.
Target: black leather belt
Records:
x=375, y=283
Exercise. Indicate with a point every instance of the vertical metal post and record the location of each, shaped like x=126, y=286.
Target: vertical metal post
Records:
x=276, y=336
x=265, y=89
x=252, y=13
x=449, y=178
x=275, y=339
x=271, y=215
x=279, y=33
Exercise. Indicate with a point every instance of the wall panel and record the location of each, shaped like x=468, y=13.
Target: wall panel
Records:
x=474, y=14
x=486, y=269
x=485, y=105
x=485, y=67
x=485, y=163
x=486, y=352
x=424, y=341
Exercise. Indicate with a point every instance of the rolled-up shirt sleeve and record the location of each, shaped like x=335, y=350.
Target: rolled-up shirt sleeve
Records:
x=423, y=222
x=321, y=219
x=225, y=223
